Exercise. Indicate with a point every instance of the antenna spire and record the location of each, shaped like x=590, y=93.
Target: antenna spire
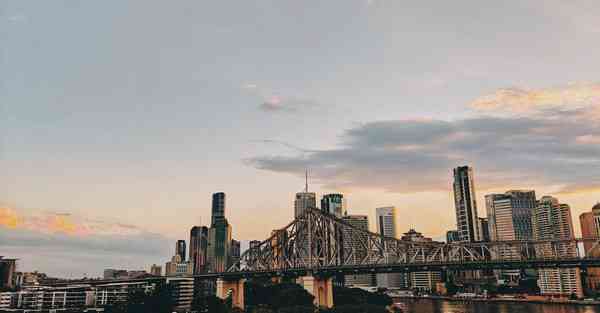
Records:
x=306, y=183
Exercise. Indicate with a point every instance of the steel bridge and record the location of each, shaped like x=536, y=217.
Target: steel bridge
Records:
x=317, y=244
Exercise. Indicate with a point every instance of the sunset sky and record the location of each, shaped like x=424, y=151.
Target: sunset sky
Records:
x=119, y=119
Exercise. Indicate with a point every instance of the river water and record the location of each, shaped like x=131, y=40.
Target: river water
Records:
x=441, y=306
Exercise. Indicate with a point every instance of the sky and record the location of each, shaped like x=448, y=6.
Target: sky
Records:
x=119, y=119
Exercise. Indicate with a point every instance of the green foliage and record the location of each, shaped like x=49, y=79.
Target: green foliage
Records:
x=276, y=296
x=361, y=308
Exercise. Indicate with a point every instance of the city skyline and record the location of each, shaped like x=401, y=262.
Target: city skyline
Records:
x=111, y=151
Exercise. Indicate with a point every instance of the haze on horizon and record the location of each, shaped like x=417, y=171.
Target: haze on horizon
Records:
x=120, y=119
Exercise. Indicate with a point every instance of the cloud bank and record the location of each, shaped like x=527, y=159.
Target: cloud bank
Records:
x=551, y=142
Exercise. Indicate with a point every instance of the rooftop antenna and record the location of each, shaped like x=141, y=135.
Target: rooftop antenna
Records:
x=306, y=184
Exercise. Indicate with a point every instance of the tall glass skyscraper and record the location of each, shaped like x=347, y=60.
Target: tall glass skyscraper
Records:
x=333, y=204
x=218, y=206
x=180, y=249
x=198, y=248
x=467, y=223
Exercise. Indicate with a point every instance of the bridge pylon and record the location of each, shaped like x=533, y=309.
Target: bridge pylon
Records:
x=320, y=287
x=233, y=288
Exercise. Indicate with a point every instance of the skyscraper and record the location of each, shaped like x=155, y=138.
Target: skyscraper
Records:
x=590, y=228
x=359, y=251
x=180, y=249
x=218, y=207
x=452, y=236
x=234, y=255
x=465, y=203
x=198, y=248
x=551, y=220
x=333, y=204
x=219, y=236
x=386, y=226
x=304, y=200
x=509, y=218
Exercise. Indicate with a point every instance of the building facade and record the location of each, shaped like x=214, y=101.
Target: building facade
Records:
x=552, y=220
x=386, y=226
x=176, y=267
x=421, y=281
x=156, y=270
x=452, y=236
x=590, y=228
x=362, y=280
x=180, y=249
x=198, y=248
x=467, y=223
x=8, y=267
x=218, y=206
x=509, y=218
x=303, y=201
x=333, y=204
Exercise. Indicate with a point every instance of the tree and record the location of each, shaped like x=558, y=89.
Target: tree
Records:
x=210, y=304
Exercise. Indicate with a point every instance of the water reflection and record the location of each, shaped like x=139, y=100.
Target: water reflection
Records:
x=435, y=306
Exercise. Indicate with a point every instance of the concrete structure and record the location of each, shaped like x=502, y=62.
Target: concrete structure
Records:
x=321, y=288
x=386, y=226
x=180, y=249
x=182, y=292
x=156, y=270
x=233, y=288
x=334, y=204
x=422, y=281
x=199, y=248
x=551, y=220
x=509, y=218
x=176, y=267
x=590, y=228
x=467, y=223
x=359, y=280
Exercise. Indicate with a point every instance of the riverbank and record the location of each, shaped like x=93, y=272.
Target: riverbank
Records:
x=500, y=300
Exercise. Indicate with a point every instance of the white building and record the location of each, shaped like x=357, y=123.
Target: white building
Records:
x=551, y=220
x=303, y=201
x=386, y=226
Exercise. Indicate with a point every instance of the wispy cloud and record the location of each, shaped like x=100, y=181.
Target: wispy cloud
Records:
x=273, y=101
x=523, y=100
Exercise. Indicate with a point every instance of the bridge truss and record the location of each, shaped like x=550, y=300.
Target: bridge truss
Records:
x=319, y=242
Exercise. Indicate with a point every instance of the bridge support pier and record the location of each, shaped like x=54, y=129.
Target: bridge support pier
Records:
x=235, y=288
x=321, y=288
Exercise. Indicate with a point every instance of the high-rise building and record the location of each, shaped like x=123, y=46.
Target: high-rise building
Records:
x=156, y=270
x=304, y=200
x=590, y=228
x=180, y=249
x=422, y=281
x=386, y=226
x=509, y=218
x=218, y=206
x=465, y=203
x=452, y=236
x=484, y=230
x=551, y=220
x=198, y=248
x=7, y=272
x=219, y=236
x=235, y=253
x=359, y=251
x=333, y=204
x=177, y=267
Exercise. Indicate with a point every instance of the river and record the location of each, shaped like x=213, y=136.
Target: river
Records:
x=442, y=306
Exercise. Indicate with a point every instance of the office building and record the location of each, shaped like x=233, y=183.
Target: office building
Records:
x=218, y=207
x=198, y=248
x=353, y=245
x=177, y=267
x=386, y=226
x=156, y=270
x=234, y=255
x=590, y=228
x=304, y=200
x=509, y=218
x=182, y=292
x=484, y=231
x=180, y=249
x=219, y=236
x=551, y=220
x=452, y=236
x=467, y=223
x=334, y=204
x=421, y=281
x=8, y=268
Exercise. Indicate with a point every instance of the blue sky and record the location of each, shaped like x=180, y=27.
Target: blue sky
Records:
x=134, y=112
